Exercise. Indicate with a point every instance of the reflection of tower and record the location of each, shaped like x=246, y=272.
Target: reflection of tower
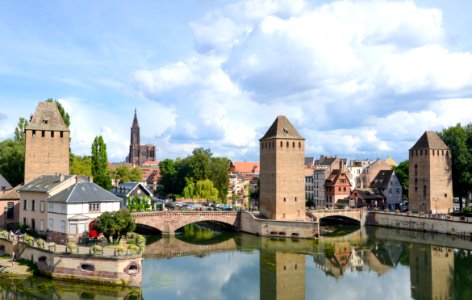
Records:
x=431, y=272
x=282, y=179
x=282, y=275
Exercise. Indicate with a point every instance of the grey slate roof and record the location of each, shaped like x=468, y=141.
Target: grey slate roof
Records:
x=382, y=179
x=126, y=188
x=430, y=140
x=47, y=117
x=43, y=183
x=4, y=184
x=12, y=194
x=282, y=129
x=309, y=161
x=84, y=192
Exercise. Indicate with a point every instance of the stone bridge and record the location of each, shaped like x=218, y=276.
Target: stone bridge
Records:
x=171, y=246
x=169, y=221
x=353, y=214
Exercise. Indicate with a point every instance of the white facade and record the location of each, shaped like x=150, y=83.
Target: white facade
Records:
x=356, y=168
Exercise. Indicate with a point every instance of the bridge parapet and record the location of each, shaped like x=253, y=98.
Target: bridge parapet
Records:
x=169, y=221
x=355, y=214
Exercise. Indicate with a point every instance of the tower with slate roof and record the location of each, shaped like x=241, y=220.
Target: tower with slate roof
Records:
x=138, y=154
x=430, y=175
x=46, y=143
x=282, y=179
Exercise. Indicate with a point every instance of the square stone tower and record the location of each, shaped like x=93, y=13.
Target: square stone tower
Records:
x=282, y=179
x=46, y=142
x=430, y=175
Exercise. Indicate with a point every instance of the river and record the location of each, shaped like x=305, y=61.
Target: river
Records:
x=372, y=263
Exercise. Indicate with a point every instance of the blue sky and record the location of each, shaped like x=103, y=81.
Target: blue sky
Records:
x=361, y=79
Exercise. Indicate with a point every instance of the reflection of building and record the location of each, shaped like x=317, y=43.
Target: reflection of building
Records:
x=431, y=272
x=282, y=182
x=282, y=275
x=139, y=154
x=430, y=175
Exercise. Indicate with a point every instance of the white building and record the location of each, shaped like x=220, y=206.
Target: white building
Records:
x=356, y=167
x=62, y=207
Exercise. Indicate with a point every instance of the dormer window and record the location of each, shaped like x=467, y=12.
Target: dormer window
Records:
x=45, y=121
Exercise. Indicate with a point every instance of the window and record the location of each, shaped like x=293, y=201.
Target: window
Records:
x=51, y=224
x=33, y=224
x=287, y=144
x=42, y=133
x=10, y=210
x=52, y=134
x=293, y=144
x=50, y=207
x=41, y=225
x=41, y=206
x=72, y=228
x=63, y=208
x=299, y=144
x=281, y=144
x=33, y=134
x=33, y=204
x=63, y=226
x=295, y=199
x=95, y=207
x=61, y=134
x=24, y=221
x=25, y=203
x=82, y=228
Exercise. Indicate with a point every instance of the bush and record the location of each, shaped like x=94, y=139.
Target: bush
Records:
x=133, y=249
x=4, y=234
x=28, y=240
x=52, y=246
x=40, y=243
x=71, y=246
x=97, y=249
x=120, y=250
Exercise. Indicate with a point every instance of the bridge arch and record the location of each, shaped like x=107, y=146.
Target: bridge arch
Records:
x=339, y=219
x=169, y=221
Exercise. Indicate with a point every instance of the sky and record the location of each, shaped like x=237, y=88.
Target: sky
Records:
x=358, y=79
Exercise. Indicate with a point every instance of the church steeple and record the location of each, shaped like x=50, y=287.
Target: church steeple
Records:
x=135, y=120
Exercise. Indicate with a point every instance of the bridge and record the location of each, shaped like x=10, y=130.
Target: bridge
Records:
x=169, y=221
x=353, y=214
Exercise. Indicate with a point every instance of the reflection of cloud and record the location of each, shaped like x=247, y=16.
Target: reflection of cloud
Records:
x=209, y=277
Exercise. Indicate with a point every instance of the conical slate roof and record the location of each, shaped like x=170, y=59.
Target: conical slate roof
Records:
x=430, y=140
x=282, y=129
x=47, y=117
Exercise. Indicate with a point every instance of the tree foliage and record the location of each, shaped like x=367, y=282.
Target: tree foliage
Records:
x=182, y=175
x=100, y=163
x=203, y=189
x=459, y=140
x=12, y=161
x=81, y=165
x=114, y=225
x=138, y=204
x=20, y=131
x=126, y=174
x=402, y=173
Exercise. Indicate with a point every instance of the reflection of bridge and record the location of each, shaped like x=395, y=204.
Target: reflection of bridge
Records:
x=353, y=214
x=169, y=221
x=172, y=246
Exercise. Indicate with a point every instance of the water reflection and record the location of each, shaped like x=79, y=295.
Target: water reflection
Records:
x=374, y=264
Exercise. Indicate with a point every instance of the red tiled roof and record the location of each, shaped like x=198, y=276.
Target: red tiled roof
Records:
x=245, y=167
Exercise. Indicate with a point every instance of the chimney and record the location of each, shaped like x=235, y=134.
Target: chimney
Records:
x=61, y=177
x=90, y=179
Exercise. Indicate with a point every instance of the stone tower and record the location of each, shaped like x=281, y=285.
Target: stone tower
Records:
x=430, y=175
x=134, y=146
x=282, y=179
x=46, y=143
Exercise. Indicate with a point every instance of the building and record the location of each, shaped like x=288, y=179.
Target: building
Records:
x=309, y=191
x=430, y=175
x=139, y=154
x=282, y=181
x=366, y=197
x=387, y=183
x=356, y=167
x=61, y=207
x=46, y=143
x=130, y=189
x=323, y=168
x=4, y=184
x=370, y=172
x=337, y=187
x=10, y=208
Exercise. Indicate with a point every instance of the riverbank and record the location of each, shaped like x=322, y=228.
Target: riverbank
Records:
x=9, y=268
x=451, y=225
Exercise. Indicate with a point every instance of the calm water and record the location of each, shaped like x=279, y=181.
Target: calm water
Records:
x=373, y=264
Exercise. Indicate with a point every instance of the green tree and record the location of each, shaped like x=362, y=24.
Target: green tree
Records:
x=12, y=161
x=20, y=131
x=126, y=174
x=114, y=225
x=168, y=172
x=459, y=140
x=402, y=173
x=100, y=163
x=219, y=175
x=81, y=165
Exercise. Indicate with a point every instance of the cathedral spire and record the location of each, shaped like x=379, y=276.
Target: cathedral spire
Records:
x=135, y=120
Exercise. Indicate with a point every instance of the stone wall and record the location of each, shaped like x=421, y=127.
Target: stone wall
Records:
x=444, y=224
x=264, y=227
